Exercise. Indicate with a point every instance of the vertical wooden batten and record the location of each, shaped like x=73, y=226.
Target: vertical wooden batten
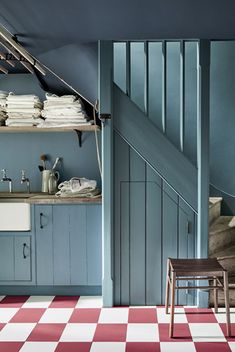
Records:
x=182, y=94
x=105, y=107
x=203, y=144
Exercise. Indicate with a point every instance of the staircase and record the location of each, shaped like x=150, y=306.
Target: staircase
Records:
x=222, y=245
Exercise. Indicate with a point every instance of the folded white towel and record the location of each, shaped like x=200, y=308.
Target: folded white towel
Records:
x=48, y=105
x=24, y=110
x=26, y=97
x=66, y=98
x=63, y=112
x=24, y=104
x=63, y=124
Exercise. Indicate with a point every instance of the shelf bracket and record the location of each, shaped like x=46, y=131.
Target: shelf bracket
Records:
x=79, y=134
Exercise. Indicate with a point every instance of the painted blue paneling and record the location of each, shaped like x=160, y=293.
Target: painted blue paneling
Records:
x=153, y=237
x=155, y=83
x=44, y=244
x=61, y=245
x=94, y=244
x=78, y=244
x=173, y=92
x=7, y=258
x=22, y=256
x=137, y=73
x=137, y=229
x=119, y=65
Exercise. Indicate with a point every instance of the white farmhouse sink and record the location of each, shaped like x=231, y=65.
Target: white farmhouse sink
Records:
x=15, y=217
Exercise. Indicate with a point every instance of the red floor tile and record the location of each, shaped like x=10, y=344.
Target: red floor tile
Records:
x=142, y=315
x=110, y=332
x=143, y=347
x=73, y=347
x=13, y=301
x=46, y=332
x=200, y=315
x=85, y=315
x=10, y=346
x=224, y=329
x=212, y=347
x=28, y=315
x=181, y=333
x=64, y=302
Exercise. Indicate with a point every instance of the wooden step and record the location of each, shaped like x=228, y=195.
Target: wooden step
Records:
x=221, y=235
x=214, y=208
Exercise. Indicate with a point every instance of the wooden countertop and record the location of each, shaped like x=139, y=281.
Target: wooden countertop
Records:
x=40, y=198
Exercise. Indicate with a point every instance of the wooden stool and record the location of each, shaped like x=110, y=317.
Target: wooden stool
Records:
x=196, y=269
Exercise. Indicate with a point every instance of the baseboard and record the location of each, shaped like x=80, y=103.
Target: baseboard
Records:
x=51, y=290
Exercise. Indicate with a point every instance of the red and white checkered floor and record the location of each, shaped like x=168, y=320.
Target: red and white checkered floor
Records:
x=79, y=324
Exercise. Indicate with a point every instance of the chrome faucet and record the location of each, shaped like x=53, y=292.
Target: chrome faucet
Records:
x=24, y=179
x=6, y=179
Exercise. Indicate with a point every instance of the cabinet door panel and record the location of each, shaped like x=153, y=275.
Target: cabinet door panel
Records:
x=44, y=244
x=61, y=245
x=6, y=258
x=22, y=249
x=78, y=245
x=94, y=244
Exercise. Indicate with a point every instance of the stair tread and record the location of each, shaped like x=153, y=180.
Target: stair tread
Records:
x=214, y=200
x=221, y=224
x=226, y=252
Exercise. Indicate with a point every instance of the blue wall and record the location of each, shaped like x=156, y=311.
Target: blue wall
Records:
x=22, y=150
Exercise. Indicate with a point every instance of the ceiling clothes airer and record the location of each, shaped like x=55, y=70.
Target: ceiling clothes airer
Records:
x=18, y=51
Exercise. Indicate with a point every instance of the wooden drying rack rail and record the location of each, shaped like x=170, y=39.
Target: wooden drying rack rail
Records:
x=77, y=129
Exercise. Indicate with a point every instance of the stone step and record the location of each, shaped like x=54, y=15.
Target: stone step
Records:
x=221, y=302
x=221, y=235
x=214, y=208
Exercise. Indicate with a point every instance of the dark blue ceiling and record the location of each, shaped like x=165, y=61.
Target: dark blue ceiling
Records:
x=47, y=24
x=47, y=27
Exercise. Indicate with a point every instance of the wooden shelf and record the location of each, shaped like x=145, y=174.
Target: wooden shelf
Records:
x=8, y=129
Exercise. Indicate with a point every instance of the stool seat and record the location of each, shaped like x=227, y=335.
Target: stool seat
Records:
x=196, y=269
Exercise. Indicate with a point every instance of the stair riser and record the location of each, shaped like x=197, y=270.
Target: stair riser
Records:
x=229, y=265
x=221, y=302
x=221, y=240
x=214, y=212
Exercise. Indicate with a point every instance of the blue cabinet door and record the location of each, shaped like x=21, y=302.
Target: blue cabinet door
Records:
x=44, y=244
x=15, y=259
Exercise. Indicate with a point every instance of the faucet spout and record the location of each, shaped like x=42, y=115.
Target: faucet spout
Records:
x=6, y=179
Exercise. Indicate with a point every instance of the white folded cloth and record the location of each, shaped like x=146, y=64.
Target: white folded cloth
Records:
x=78, y=187
x=22, y=97
x=63, y=124
x=23, y=104
x=65, y=98
x=19, y=122
x=63, y=112
x=48, y=105
x=24, y=110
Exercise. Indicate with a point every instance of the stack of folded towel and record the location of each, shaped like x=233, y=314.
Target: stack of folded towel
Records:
x=64, y=111
x=3, y=115
x=78, y=187
x=23, y=110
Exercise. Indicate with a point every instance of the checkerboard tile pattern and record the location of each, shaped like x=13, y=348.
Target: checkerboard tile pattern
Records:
x=80, y=324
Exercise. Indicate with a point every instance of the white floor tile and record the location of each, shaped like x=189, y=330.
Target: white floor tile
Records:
x=78, y=333
x=108, y=347
x=90, y=302
x=38, y=302
x=221, y=316
x=177, y=347
x=232, y=346
x=1, y=298
x=39, y=347
x=16, y=332
x=55, y=315
x=142, y=333
x=114, y=316
x=179, y=317
x=206, y=332
x=7, y=313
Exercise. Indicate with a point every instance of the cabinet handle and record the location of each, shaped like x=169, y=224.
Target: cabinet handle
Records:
x=24, y=247
x=41, y=225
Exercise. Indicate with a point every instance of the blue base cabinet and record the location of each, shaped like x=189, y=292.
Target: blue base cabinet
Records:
x=17, y=258
x=68, y=245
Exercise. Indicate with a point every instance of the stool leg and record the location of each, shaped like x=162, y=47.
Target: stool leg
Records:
x=215, y=295
x=173, y=277
x=226, y=298
x=167, y=286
